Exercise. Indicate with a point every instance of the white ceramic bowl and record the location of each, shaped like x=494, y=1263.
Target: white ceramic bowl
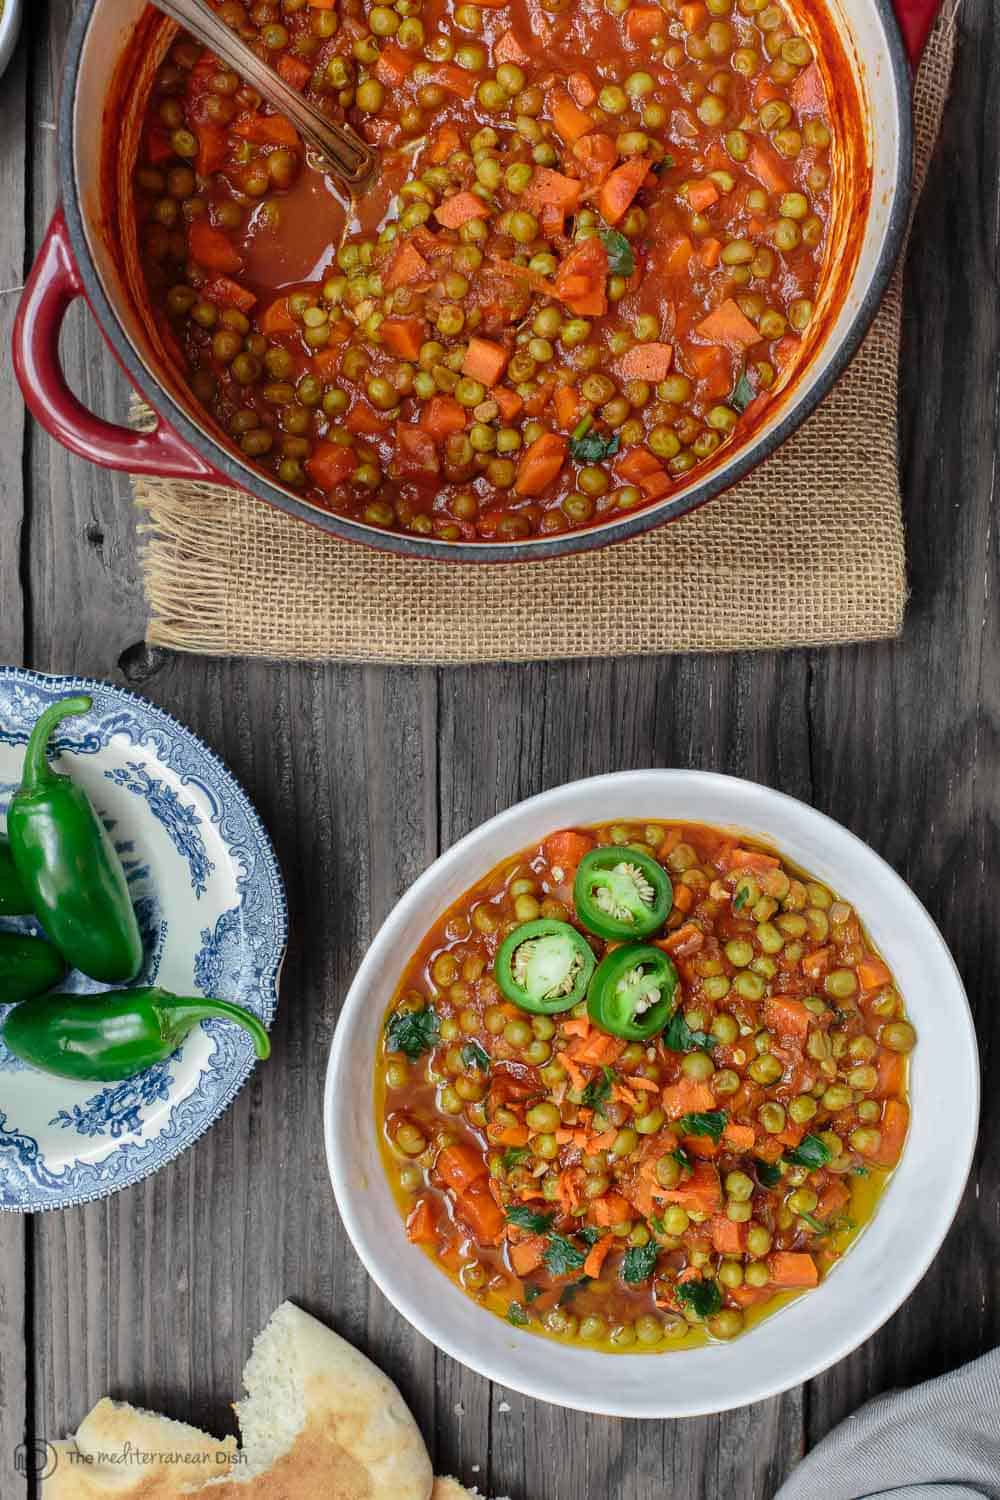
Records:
x=882, y=1267
x=10, y=29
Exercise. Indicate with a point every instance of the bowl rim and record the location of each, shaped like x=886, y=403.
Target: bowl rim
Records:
x=801, y=403
x=937, y=1219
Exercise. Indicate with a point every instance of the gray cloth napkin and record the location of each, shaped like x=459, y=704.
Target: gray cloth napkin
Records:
x=938, y=1441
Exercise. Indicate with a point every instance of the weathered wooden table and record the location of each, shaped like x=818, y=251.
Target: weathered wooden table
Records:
x=363, y=775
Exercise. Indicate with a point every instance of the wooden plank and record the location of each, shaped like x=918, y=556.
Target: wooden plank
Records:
x=14, y=1230
x=506, y=732
x=906, y=738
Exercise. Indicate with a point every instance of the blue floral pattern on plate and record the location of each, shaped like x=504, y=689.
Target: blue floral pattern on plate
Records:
x=211, y=908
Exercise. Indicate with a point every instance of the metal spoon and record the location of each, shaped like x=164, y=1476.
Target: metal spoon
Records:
x=347, y=155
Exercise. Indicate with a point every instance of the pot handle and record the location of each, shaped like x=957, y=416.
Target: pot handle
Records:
x=53, y=286
x=915, y=18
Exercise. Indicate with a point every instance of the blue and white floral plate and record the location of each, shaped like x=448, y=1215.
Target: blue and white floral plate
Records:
x=211, y=906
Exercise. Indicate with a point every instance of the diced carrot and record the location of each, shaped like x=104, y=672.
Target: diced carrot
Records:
x=701, y=1191
x=615, y=197
x=326, y=364
x=442, y=416
x=765, y=90
x=509, y=402
x=694, y=15
x=728, y=325
x=293, y=70
x=816, y=963
x=567, y=405
x=227, y=293
x=459, y=209
x=700, y=1145
x=768, y=167
x=159, y=149
x=597, y=154
x=477, y=1209
x=873, y=974
x=213, y=149
x=454, y=80
x=646, y=362
x=682, y=899
x=420, y=1228
x=790, y=1136
x=547, y=186
x=322, y=4
x=702, y=195
x=677, y=259
x=790, y=1268
x=527, y=1256
x=266, y=130
x=460, y=1166
x=403, y=336
x=598, y=1050
x=602, y=1142
x=891, y=1074
x=582, y=90
x=893, y=1127
x=539, y=400
x=635, y=464
x=832, y=1199
x=277, y=318
x=509, y=50
x=687, y=1096
x=576, y=1075
x=484, y=361
x=611, y=1209
x=577, y=1026
x=728, y=1238
x=594, y=1263
x=565, y=849
x=685, y=941
x=581, y=279
x=570, y=1189
x=748, y=1296
x=712, y=366
x=623, y=1095
x=212, y=248
x=365, y=419
x=406, y=267
x=711, y=249
x=806, y=95
x=393, y=65
x=416, y=455
x=749, y=859
x=541, y=463
x=740, y=1136
x=644, y=1085
x=789, y=1018
x=643, y=22
x=331, y=464
x=446, y=141
x=569, y=121
x=508, y=1135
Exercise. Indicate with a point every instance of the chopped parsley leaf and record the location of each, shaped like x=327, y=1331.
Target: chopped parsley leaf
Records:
x=742, y=896
x=592, y=447
x=682, y=1159
x=712, y=1123
x=570, y=1291
x=413, y=1032
x=475, y=1055
x=513, y=1156
x=639, y=1263
x=621, y=261
x=769, y=1174
x=702, y=1297
x=562, y=1256
x=588, y=1234
x=598, y=1089
x=524, y=1217
x=517, y=1315
x=811, y=1152
x=743, y=394
x=531, y=1292
x=679, y=1037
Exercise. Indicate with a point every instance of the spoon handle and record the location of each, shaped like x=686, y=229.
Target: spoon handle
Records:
x=347, y=153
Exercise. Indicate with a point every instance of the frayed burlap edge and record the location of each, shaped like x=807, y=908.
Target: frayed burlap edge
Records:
x=807, y=550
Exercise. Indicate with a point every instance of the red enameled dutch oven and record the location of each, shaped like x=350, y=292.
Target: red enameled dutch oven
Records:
x=90, y=252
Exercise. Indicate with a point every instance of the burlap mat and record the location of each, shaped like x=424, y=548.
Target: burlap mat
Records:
x=808, y=550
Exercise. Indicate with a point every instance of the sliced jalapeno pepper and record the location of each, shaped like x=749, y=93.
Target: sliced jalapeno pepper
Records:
x=621, y=893
x=544, y=966
x=632, y=993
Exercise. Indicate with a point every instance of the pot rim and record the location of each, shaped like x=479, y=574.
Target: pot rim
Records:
x=540, y=549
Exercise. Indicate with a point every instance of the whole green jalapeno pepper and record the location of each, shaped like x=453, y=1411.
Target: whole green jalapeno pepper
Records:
x=105, y=1038
x=28, y=967
x=68, y=864
x=14, y=899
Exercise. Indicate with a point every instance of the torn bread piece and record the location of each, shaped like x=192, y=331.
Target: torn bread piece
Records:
x=123, y=1452
x=450, y=1489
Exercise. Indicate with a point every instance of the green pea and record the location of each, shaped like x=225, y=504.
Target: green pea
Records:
x=637, y=85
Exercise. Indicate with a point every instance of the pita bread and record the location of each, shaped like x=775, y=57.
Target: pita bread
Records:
x=318, y=1420
x=450, y=1489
